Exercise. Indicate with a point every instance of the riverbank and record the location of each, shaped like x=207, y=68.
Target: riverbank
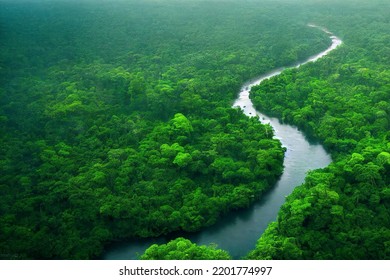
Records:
x=239, y=231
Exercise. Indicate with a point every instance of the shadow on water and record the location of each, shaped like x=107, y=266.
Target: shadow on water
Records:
x=132, y=248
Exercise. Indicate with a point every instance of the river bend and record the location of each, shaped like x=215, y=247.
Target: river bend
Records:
x=238, y=231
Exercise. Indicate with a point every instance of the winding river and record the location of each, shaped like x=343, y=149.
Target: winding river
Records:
x=238, y=231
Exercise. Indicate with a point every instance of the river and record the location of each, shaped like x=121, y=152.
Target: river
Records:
x=238, y=231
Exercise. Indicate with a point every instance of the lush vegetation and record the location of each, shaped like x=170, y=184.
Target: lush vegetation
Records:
x=183, y=249
x=116, y=118
x=116, y=122
x=340, y=212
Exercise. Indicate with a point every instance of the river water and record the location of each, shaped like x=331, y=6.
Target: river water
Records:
x=238, y=231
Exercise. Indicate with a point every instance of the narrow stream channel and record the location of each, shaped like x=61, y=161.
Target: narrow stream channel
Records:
x=238, y=231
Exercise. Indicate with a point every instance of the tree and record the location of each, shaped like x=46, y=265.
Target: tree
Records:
x=183, y=249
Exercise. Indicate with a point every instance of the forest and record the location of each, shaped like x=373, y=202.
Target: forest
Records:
x=116, y=122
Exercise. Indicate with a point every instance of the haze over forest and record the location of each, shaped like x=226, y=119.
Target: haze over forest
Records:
x=116, y=124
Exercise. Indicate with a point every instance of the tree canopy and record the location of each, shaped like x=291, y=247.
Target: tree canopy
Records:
x=116, y=122
x=342, y=211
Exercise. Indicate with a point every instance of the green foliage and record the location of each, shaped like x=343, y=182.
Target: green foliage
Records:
x=116, y=121
x=341, y=212
x=183, y=249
